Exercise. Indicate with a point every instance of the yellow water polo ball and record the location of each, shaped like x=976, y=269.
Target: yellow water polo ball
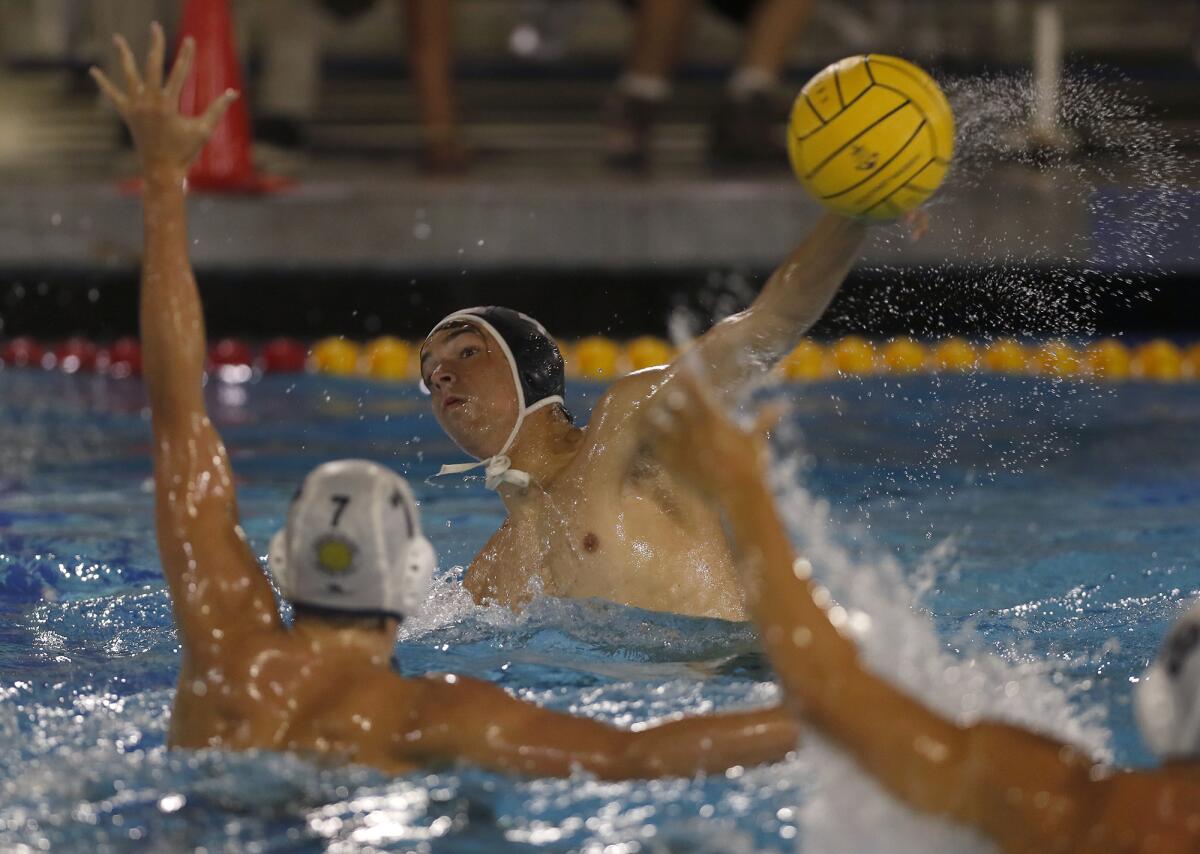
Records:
x=388, y=358
x=871, y=136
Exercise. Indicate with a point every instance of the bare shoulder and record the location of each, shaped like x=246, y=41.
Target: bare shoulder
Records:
x=624, y=398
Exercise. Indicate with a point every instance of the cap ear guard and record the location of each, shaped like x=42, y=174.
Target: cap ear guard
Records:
x=419, y=566
x=1167, y=700
x=278, y=565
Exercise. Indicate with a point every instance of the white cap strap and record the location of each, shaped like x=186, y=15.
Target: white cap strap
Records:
x=498, y=469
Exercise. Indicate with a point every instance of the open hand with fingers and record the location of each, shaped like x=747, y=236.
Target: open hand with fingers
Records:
x=696, y=441
x=167, y=141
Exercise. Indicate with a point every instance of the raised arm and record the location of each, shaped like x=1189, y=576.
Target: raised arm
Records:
x=478, y=722
x=794, y=298
x=217, y=588
x=1019, y=787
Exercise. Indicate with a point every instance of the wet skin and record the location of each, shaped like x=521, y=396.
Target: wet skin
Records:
x=322, y=688
x=602, y=517
x=1028, y=792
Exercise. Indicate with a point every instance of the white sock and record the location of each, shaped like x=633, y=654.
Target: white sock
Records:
x=750, y=81
x=649, y=87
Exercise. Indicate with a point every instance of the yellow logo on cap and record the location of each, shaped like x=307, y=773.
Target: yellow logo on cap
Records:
x=335, y=554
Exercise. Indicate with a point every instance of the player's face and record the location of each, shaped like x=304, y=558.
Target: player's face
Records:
x=471, y=388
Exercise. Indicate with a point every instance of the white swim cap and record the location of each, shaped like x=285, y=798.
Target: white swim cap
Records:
x=1167, y=701
x=353, y=543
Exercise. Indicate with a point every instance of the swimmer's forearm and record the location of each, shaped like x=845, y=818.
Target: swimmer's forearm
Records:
x=710, y=744
x=924, y=759
x=793, y=299
x=172, y=324
x=802, y=287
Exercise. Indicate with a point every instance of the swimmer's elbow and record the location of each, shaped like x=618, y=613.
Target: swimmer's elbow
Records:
x=477, y=586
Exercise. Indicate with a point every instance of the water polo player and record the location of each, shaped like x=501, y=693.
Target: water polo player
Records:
x=1028, y=792
x=590, y=510
x=351, y=558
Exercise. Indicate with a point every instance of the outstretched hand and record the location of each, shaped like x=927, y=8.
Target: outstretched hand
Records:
x=167, y=141
x=696, y=441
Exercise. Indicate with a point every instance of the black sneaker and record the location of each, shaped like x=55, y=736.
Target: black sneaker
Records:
x=280, y=131
x=749, y=132
x=629, y=121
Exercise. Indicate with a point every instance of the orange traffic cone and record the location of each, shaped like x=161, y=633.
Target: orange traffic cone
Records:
x=225, y=164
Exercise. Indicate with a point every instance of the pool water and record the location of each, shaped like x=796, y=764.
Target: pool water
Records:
x=1016, y=546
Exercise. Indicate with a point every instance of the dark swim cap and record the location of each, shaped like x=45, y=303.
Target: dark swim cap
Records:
x=538, y=364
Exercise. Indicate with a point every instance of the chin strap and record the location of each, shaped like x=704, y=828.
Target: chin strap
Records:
x=498, y=470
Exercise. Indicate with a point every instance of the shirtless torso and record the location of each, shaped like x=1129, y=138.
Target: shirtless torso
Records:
x=613, y=524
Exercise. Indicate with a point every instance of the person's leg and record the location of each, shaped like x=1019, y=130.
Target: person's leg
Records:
x=658, y=33
x=430, y=28
x=289, y=84
x=745, y=129
x=771, y=33
x=660, y=27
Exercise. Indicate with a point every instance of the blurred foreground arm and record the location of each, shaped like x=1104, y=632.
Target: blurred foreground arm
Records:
x=478, y=722
x=212, y=575
x=1021, y=788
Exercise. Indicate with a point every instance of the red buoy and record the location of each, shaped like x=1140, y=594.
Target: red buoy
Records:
x=76, y=355
x=284, y=356
x=122, y=358
x=23, y=352
x=230, y=351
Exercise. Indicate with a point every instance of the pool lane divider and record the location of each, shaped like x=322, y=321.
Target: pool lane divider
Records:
x=387, y=358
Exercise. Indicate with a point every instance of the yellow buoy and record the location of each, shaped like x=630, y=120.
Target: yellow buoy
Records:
x=335, y=356
x=1158, y=360
x=388, y=358
x=871, y=136
x=1005, y=356
x=903, y=356
x=1107, y=359
x=648, y=352
x=597, y=358
x=806, y=362
x=954, y=355
x=1191, y=361
x=1056, y=359
x=854, y=355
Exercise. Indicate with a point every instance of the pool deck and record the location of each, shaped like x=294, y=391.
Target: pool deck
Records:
x=538, y=198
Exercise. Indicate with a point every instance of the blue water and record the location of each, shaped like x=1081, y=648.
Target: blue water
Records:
x=1046, y=532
